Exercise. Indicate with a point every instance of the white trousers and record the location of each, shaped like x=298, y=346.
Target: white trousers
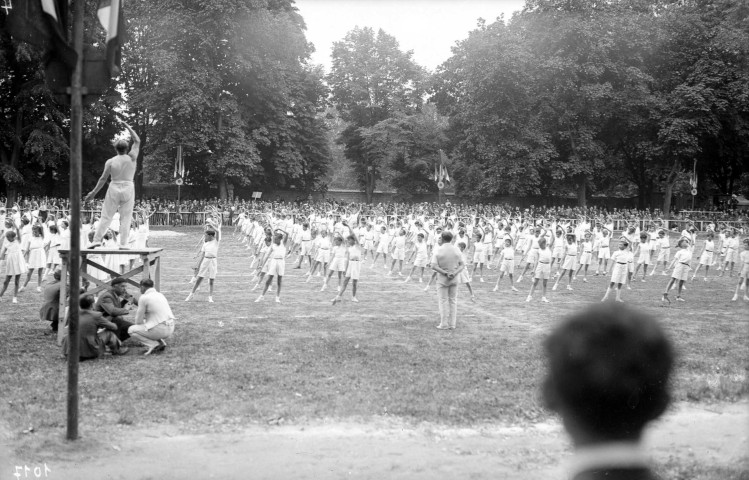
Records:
x=120, y=197
x=448, y=296
x=150, y=338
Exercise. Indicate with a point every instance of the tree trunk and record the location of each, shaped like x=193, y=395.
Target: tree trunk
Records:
x=15, y=155
x=582, y=189
x=673, y=175
x=369, y=184
x=223, y=191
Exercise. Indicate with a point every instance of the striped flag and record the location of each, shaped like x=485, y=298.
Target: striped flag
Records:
x=43, y=23
x=443, y=168
x=179, y=164
x=111, y=18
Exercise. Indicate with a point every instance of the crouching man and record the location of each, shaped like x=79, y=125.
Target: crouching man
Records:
x=95, y=333
x=154, y=321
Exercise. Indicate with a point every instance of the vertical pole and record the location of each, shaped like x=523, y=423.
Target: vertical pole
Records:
x=76, y=119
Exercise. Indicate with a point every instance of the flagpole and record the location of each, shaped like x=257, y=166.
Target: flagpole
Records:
x=76, y=118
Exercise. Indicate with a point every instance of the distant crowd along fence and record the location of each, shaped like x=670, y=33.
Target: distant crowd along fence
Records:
x=199, y=218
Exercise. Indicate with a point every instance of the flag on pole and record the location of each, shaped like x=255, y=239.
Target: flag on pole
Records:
x=436, y=176
x=111, y=18
x=179, y=164
x=443, y=168
x=43, y=23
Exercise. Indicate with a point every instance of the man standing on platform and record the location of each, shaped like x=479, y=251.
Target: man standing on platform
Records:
x=120, y=195
x=111, y=304
x=154, y=320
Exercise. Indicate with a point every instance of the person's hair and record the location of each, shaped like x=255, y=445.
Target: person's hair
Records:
x=10, y=235
x=37, y=231
x=57, y=275
x=86, y=302
x=121, y=146
x=461, y=246
x=146, y=282
x=643, y=236
x=609, y=368
x=210, y=233
x=447, y=236
x=53, y=229
x=25, y=221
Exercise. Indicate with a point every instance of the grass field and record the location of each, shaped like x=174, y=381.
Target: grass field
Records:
x=235, y=363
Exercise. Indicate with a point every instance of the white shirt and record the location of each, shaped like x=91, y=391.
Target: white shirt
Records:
x=153, y=309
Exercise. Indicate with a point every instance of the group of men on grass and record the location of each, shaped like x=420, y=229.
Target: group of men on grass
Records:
x=102, y=325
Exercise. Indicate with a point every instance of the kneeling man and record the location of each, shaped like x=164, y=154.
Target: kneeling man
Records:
x=154, y=320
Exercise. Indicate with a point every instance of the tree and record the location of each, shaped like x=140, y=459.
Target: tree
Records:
x=33, y=128
x=371, y=80
x=228, y=81
x=408, y=145
x=496, y=135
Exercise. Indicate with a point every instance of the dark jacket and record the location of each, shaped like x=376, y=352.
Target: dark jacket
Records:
x=617, y=474
x=91, y=343
x=110, y=305
x=50, y=310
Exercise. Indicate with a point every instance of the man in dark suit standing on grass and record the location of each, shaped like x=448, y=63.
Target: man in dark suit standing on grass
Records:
x=608, y=376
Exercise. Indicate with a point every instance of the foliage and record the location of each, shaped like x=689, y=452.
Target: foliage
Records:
x=229, y=82
x=33, y=128
x=581, y=95
x=371, y=80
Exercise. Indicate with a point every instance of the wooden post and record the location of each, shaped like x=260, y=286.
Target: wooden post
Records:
x=76, y=120
x=63, y=297
x=157, y=274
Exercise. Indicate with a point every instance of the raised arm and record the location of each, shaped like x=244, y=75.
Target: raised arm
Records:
x=136, y=141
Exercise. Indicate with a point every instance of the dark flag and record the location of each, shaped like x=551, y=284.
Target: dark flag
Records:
x=111, y=18
x=43, y=23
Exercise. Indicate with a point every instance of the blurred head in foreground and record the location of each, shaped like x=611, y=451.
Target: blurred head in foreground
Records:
x=608, y=373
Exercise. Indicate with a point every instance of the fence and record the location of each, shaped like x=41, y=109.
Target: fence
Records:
x=199, y=218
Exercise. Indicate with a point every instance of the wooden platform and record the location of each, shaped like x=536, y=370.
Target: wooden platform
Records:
x=149, y=257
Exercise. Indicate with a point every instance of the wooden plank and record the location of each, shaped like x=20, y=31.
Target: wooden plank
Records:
x=157, y=274
x=117, y=251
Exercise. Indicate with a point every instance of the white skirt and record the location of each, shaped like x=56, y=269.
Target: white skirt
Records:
x=323, y=256
x=276, y=267
x=306, y=247
x=353, y=269
x=53, y=256
x=569, y=262
x=15, y=264
x=507, y=266
x=208, y=268
x=37, y=259
x=681, y=271
x=706, y=258
x=543, y=271
x=420, y=260
x=399, y=254
x=586, y=258
x=619, y=273
x=604, y=253
x=337, y=265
